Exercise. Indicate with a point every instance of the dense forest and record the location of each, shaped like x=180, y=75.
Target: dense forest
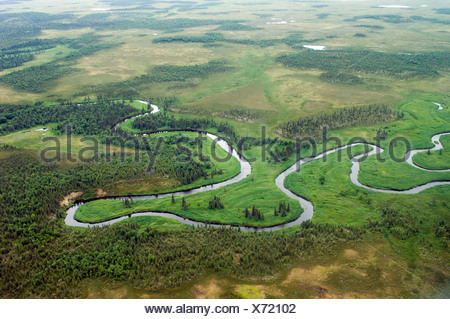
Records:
x=36, y=79
x=394, y=18
x=166, y=158
x=339, y=77
x=282, y=149
x=10, y=60
x=17, y=27
x=207, y=38
x=389, y=18
x=85, y=119
x=442, y=10
x=17, y=55
x=313, y=126
x=237, y=27
x=175, y=163
x=294, y=40
x=401, y=225
x=370, y=26
x=97, y=119
x=41, y=257
x=401, y=66
x=173, y=156
x=161, y=122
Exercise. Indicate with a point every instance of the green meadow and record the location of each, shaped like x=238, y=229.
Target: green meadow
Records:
x=436, y=159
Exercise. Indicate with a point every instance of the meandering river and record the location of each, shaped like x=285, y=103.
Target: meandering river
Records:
x=308, y=208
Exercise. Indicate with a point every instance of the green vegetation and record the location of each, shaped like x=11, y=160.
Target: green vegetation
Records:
x=164, y=122
x=22, y=182
x=17, y=55
x=322, y=15
x=384, y=172
x=254, y=213
x=370, y=26
x=86, y=119
x=260, y=190
x=237, y=27
x=432, y=20
x=21, y=25
x=401, y=66
x=207, y=38
x=36, y=78
x=254, y=73
x=436, y=159
x=169, y=73
x=338, y=77
x=442, y=10
x=249, y=292
x=389, y=18
x=11, y=60
x=160, y=223
x=346, y=117
x=383, y=175
x=392, y=18
x=188, y=158
x=374, y=173
x=293, y=40
x=160, y=74
x=401, y=225
x=39, y=78
x=216, y=203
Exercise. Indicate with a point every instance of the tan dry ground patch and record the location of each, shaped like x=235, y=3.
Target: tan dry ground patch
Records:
x=71, y=34
x=100, y=192
x=107, y=293
x=296, y=87
x=134, y=58
x=351, y=254
x=69, y=198
x=315, y=274
x=8, y=95
x=312, y=283
x=251, y=97
x=210, y=290
x=137, y=57
x=353, y=272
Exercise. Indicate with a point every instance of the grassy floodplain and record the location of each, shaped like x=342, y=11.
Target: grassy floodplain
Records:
x=235, y=198
x=436, y=159
x=385, y=175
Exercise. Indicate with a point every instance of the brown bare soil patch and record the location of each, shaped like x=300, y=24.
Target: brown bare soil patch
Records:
x=69, y=198
x=100, y=192
x=209, y=291
x=351, y=254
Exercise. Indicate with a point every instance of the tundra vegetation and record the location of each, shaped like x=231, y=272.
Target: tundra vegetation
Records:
x=237, y=70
